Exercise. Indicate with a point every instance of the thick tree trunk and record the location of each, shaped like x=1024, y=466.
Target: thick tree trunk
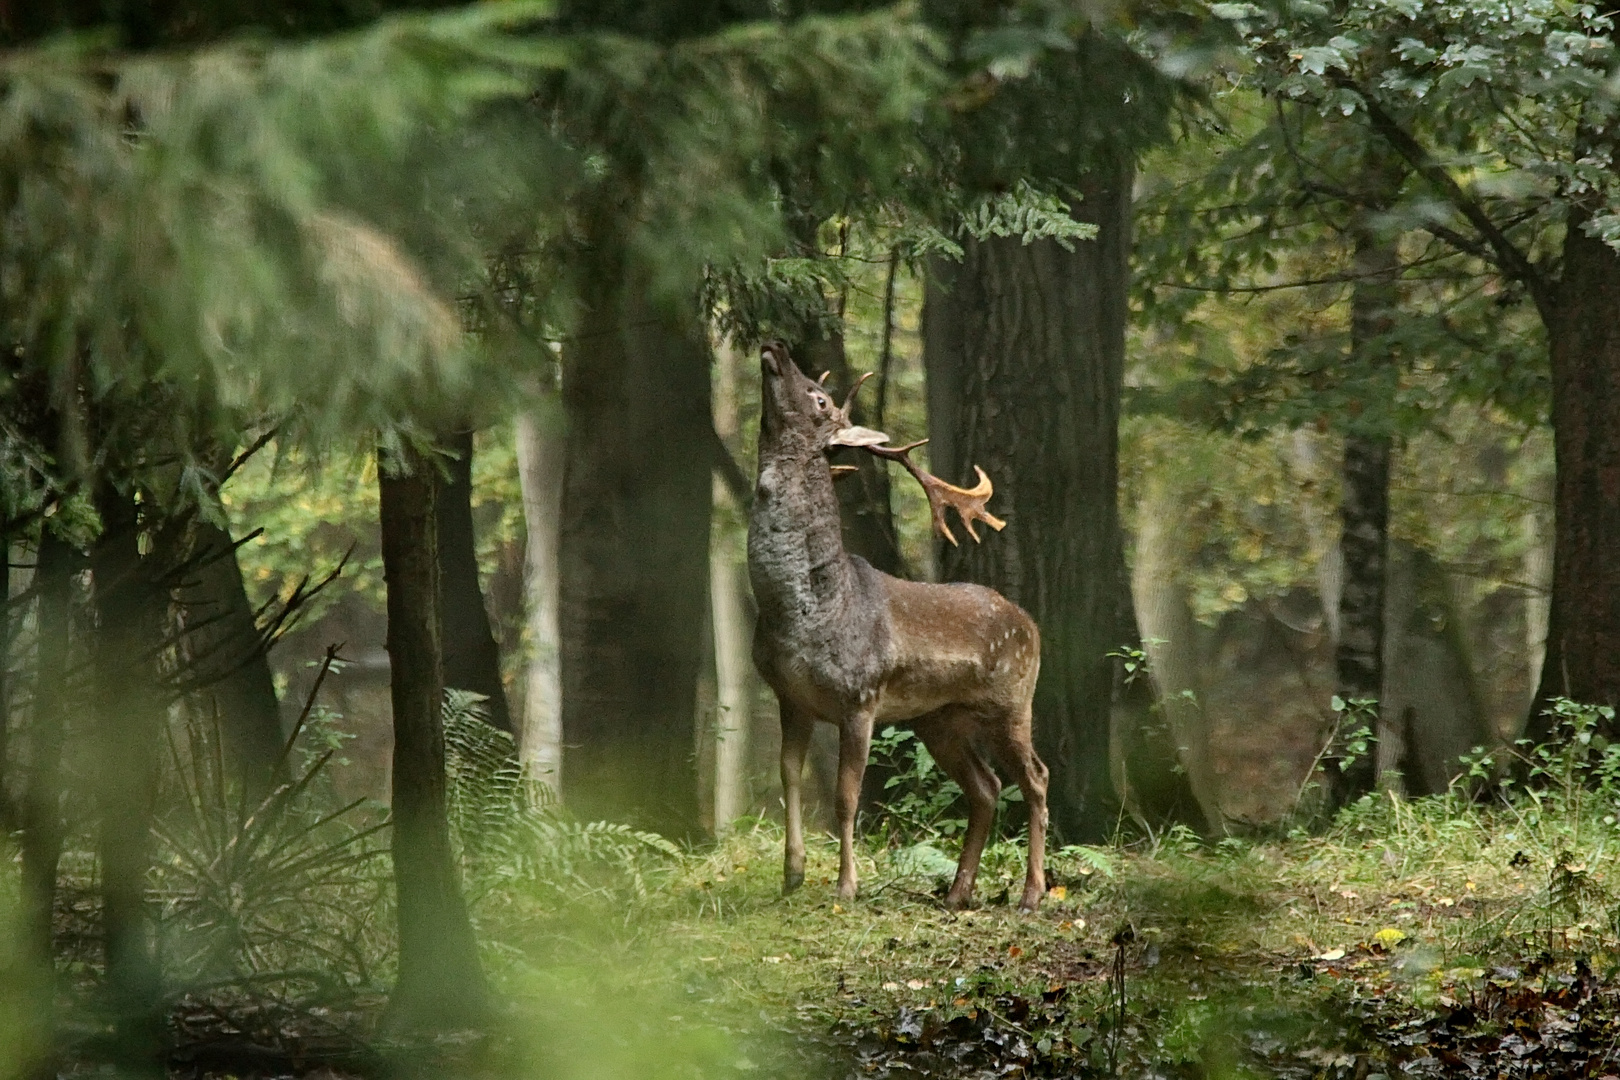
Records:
x=441, y=985
x=1364, y=517
x=540, y=471
x=634, y=553
x=233, y=665
x=1583, y=639
x=1024, y=347
x=1170, y=640
x=472, y=661
x=42, y=820
x=129, y=721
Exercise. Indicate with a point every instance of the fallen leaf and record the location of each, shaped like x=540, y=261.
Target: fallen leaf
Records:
x=1058, y=892
x=915, y=984
x=838, y=909
x=891, y=986
x=1331, y=954
x=1014, y=951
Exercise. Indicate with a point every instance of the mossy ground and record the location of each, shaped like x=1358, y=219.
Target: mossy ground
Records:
x=1246, y=956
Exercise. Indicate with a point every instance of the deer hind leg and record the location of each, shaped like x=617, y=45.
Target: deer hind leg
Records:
x=1017, y=753
x=854, y=744
x=948, y=740
x=797, y=728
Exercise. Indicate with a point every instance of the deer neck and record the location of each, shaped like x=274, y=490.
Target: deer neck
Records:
x=800, y=571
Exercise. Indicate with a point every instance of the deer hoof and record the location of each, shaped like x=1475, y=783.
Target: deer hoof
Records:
x=958, y=902
x=791, y=880
x=1030, y=902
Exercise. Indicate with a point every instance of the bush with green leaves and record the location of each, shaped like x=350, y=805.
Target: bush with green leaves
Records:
x=921, y=803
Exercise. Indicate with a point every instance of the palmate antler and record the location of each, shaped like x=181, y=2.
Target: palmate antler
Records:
x=967, y=502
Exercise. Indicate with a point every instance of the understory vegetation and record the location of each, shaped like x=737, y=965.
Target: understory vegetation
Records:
x=1473, y=933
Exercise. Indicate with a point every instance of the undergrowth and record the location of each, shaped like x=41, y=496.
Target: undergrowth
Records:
x=1169, y=955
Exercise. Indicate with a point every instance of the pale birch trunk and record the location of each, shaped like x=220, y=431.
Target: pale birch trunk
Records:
x=733, y=661
x=1321, y=526
x=1169, y=637
x=733, y=664
x=1538, y=576
x=540, y=471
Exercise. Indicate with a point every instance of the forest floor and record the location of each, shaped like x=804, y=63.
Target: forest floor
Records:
x=1412, y=938
x=1416, y=938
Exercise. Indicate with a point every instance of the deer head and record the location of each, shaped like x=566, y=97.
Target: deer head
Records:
x=798, y=411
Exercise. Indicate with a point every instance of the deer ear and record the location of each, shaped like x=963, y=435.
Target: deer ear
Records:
x=857, y=436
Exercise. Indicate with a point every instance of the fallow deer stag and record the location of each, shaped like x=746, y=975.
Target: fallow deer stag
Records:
x=842, y=643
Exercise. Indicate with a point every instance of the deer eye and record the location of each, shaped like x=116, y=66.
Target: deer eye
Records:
x=821, y=402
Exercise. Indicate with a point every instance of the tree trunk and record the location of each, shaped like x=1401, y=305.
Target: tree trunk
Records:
x=540, y=471
x=1170, y=639
x=1432, y=710
x=441, y=985
x=129, y=722
x=729, y=617
x=1024, y=347
x=42, y=821
x=634, y=553
x=1538, y=565
x=471, y=659
x=1583, y=640
x=1321, y=528
x=1364, y=517
x=232, y=664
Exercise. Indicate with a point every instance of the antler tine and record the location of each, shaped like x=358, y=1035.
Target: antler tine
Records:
x=822, y=378
x=967, y=502
x=850, y=400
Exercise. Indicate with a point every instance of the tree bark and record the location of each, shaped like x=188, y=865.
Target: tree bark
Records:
x=232, y=663
x=1024, y=346
x=1364, y=516
x=1321, y=527
x=729, y=617
x=441, y=985
x=42, y=818
x=1187, y=792
x=1583, y=640
x=1432, y=709
x=1538, y=564
x=472, y=661
x=634, y=552
x=540, y=471
x=129, y=721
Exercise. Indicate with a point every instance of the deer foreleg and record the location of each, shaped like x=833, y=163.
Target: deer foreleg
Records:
x=797, y=729
x=854, y=744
